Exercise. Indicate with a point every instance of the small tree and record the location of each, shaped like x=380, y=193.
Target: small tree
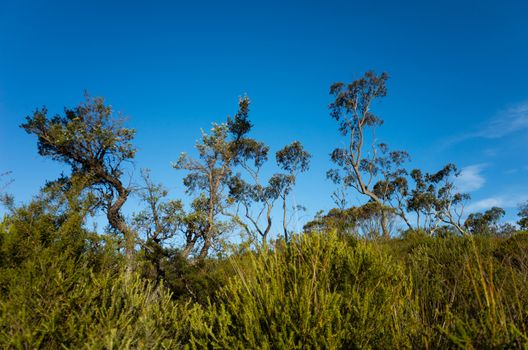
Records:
x=523, y=216
x=158, y=223
x=95, y=145
x=293, y=159
x=253, y=193
x=248, y=192
x=449, y=203
x=208, y=176
x=434, y=199
x=486, y=223
x=421, y=200
x=5, y=199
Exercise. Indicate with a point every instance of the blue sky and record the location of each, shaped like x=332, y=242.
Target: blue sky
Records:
x=457, y=90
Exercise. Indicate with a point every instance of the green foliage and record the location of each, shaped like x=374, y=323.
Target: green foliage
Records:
x=523, y=216
x=441, y=285
x=197, y=281
x=471, y=291
x=95, y=144
x=486, y=223
x=62, y=286
x=316, y=292
x=87, y=137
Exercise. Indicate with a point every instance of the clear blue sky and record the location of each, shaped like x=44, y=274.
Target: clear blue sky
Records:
x=458, y=89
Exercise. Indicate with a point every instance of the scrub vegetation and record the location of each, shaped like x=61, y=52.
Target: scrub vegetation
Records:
x=408, y=268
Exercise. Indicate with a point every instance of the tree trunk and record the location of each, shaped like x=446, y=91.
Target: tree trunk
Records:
x=187, y=250
x=284, y=224
x=205, y=249
x=116, y=220
x=384, y=229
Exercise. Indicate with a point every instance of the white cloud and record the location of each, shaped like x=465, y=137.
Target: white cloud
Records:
x=504, y=201
x=485, y=203
x=505, y=122
x=470, y=178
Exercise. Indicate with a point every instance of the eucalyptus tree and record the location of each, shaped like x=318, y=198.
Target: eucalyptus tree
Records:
x=255, y=193
x=432, y=197
x=373, y=170
x=486, y=223
x=292, y=159
x=421, y=201
x=449, y=203
x=157, y=224
x=5, y=181
x=523, y=215
x=160, y=220
x=208, y=176
x=96, y=145
x=249, y=191
x=392, y=186
x=362, y=161
x=166, y=226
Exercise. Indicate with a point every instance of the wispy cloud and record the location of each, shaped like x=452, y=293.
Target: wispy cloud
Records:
x=503, y=201
x=505, y=122
x=470, y=178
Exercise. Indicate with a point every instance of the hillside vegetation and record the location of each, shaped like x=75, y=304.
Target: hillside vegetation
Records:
x=407, y=267
x=64, y=287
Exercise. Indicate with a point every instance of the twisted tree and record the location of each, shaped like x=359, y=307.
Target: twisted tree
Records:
x=96, y=146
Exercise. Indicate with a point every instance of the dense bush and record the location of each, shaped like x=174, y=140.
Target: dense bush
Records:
x=472, y=292
x=62, y=286
x=317, y=292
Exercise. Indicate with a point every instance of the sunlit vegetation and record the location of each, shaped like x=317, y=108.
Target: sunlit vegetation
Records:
x=408, y=268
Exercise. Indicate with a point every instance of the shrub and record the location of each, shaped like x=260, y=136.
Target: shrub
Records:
x=63, y=287
x=316, y=292
x=468, y=297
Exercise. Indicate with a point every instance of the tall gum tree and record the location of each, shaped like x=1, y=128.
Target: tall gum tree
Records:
x=209, y=175
x=255, y=196
x=359, y=161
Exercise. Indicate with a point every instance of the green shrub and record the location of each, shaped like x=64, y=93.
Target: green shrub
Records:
x=316, y=292
x=468, y=297
x=63, y=287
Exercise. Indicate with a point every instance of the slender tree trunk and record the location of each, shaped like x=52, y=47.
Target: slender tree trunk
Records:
x=284, y=223
x=384, y=229
x=404, y=218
